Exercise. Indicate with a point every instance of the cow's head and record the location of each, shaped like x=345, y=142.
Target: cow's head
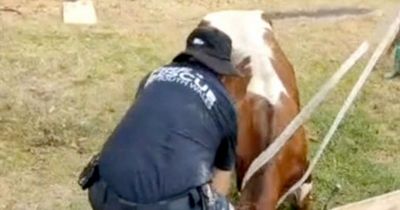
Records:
x=243, y=67
x=249, y=31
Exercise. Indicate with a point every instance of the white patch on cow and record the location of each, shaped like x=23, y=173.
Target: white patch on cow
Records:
x=303, y=192
x=247, y=30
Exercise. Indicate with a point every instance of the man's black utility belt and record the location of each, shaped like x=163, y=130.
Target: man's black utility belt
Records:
x=103, y=198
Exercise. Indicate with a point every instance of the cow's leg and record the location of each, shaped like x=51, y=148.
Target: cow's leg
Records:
x=271, y=187
x=292, y=168
x=262, y=190
x=303, y=196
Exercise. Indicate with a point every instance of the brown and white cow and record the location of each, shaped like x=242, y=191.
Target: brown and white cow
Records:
x=267, y=101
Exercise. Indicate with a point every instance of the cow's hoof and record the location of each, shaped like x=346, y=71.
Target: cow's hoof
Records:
x=303, y=197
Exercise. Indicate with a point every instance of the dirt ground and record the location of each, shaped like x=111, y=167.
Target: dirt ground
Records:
x=63, y=88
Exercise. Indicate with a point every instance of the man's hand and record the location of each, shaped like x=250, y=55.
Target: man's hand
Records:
x=222, y=181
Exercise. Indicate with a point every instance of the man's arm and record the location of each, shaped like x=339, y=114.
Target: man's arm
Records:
x=221, y=181
x=226, y=156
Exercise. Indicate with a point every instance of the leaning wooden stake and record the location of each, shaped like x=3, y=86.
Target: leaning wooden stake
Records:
x=383, y=46
x=389, y=201
x=304, y=115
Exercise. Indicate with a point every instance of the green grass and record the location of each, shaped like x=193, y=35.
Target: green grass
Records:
x=363, y=155
x=64, y=88
x=352, y=161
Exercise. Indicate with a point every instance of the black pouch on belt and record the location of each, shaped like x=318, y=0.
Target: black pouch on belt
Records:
x=90, y=173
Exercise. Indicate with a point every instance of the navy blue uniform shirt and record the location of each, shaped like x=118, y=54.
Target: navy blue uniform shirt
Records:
x=181, y=126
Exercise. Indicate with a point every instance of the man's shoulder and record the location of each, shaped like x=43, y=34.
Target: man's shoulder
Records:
x=197, y=78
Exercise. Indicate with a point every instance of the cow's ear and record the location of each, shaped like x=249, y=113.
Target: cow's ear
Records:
x=203, y=23
x=244, y=67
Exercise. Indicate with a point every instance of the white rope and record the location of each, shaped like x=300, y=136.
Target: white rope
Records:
x=304, y=114
x=385, y=43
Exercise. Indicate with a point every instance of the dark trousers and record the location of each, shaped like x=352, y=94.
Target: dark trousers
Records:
x=102, y=197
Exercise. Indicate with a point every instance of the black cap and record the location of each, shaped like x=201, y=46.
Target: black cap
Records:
x=212, y=48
